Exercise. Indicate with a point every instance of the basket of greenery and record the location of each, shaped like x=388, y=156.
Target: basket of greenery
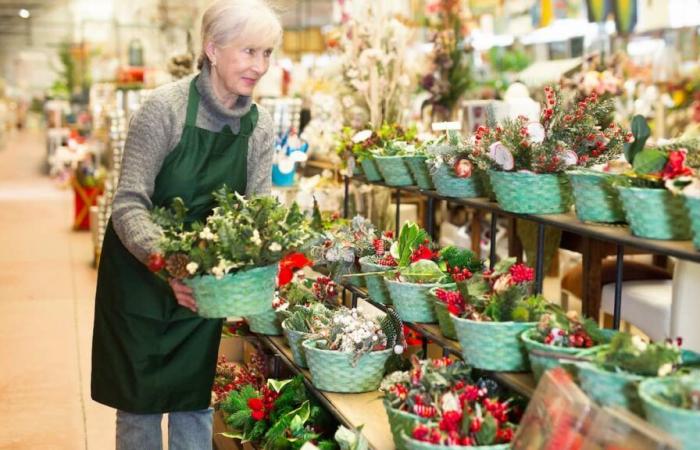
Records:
x=416, y=396
x=350, y=355
x=560, y=334
x=392, y=163
x=417, y=272
x=673, y=405
x=474, y=417
x=381, y=261
x=453, y=171
x=417, y=163
x=649, y=192
x=357, y=145
x=613, y=371
x=527, y=159
x=279, y=414
x=303, y=323
x=493, y=309
x=231, y=260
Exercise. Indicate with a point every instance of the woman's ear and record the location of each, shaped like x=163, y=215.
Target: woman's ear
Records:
x=210, y=50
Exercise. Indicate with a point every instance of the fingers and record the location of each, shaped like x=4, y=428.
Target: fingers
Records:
x=184, y=295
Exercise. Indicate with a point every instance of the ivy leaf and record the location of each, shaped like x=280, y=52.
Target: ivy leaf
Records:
x=650, y=161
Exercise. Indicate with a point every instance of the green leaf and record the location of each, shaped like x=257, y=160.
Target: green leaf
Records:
x=487, y=434
x=277, y=385
x=233, y=435
x=641, y=132
x=410, y=237
x=650, y=161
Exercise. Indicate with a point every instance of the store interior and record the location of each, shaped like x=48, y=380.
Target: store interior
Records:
x=482, y=230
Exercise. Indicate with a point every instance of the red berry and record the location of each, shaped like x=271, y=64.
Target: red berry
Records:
x=156, y=262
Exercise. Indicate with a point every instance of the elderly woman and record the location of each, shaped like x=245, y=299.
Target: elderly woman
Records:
x=151, y=353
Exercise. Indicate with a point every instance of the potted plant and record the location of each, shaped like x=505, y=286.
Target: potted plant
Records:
x=417, y=164
x=230, y=260
x=527, y=159
x=673, y=405
x=559, y=334
x=350, y=354
x=397, y=144
x=302, y=323
x=417, y=272
x=496, y=308
x=416, y=396
x=453, y=169
x=613, y=371
x=377, y=263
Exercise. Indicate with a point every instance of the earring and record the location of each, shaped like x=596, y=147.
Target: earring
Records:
x=213, y=63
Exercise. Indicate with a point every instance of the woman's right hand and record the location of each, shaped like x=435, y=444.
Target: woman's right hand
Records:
x=183, y=294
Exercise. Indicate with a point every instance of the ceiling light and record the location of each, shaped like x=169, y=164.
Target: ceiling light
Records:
x=24, y=13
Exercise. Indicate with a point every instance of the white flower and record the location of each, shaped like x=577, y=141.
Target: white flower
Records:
x=361, y=136
x=218, y=272
x=207, y=234
x=275, y=247
x=536, y=132
x=255, y=239
x=665, y=369
x=192, y=268
x=639, y=343
x=398, y=349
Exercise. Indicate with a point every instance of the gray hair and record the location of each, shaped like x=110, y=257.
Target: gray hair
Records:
x=227, y=20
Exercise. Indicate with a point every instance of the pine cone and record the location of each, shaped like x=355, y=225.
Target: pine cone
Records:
x=176, y=265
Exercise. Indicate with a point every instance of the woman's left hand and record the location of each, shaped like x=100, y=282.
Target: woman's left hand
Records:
x=184, y=294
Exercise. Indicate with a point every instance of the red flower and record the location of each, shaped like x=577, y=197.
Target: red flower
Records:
x=290, y=264
x=675, y=167
x=450, y=421
x=422, y=252
x=520, y=273
x=255, y=404
x=258, y=415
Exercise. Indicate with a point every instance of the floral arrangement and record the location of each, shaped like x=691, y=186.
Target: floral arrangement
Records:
x=567, y=136
x=684, y=393
x=231, y=376
x=382, y=250
x=351, y=331
x=449, y=75
x=632, y=354
x=240, y=233
x=501, y=295
x=290, y=265
x=388, y=139
x=452, y=150
x=278, y=415
x=312, y=320
x=303, y=294
x=416, y=256
x=340, y=250
x=561, y=329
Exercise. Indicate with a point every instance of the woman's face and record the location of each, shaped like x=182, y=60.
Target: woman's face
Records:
x=240, y=67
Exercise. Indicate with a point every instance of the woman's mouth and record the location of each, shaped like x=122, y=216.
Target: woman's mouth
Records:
x=250, y=81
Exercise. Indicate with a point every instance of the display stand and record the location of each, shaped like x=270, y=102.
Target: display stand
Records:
x=84, y=198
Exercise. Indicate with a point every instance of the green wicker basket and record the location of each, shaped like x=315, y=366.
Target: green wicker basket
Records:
x=532, y=193
x=357, y=170
x=656, y=213
x=419, y=169
x=448, y=185
x=693, y=205
x=540, y=363
x=596, y=198
x=376, y=288
x=412, y=301
x=245, y=293
x=683, y=424
x=610, y=388
x=394, y=170
x=369, y=167
x=400, y=423
x=265, y=323
x=447, y=327
x=333, y=371
x=412, y=444
x=493, y=345
x=294, y=339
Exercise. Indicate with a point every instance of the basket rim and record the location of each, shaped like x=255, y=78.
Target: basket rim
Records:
x=229, y=276
x=309, y=344
x=407, y=438
x=406, y=283
x=525, y=337
x=691, y=198
x=631, y=377
x=646, y=397
x=589, y=173
x=509, y=322
x=526, y=174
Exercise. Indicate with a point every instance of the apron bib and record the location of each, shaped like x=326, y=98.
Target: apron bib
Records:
x=149, y=354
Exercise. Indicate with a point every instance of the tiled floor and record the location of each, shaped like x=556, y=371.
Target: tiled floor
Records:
x=46, y=307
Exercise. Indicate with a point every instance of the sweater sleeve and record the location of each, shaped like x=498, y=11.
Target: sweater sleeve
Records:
x=260, y=155
x=147, y=144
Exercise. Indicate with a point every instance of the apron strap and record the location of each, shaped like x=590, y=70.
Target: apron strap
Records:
x=192, y=104
x=249, y=121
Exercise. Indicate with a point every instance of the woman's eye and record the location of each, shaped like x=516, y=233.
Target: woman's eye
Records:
x=250, y=51
x=268, y=53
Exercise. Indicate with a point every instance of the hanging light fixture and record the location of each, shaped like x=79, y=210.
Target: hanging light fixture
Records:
x=24, y=13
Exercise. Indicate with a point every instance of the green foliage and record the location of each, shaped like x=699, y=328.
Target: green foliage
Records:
x=309, y=319
x=650, y=161
x=423, y=271
x=351, y=439
x=515, y=305
x=462, y=258
x=487, y=434
x=410, y=237
x=630, y=354
x=641, y=132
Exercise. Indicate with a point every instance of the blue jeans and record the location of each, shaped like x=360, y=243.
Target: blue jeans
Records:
x=189, y=430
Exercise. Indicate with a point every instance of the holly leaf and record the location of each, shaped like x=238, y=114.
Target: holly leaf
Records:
x=650, y=161
x=277, y=385
x=487, y=433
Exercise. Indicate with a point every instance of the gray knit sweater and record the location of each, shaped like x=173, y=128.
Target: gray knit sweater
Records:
x=154, y=131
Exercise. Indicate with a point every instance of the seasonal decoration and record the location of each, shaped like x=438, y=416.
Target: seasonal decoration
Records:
x=231, y=259
x=453, y=168
x=278, y=415
x=289, y=265
x=380, y=261
x=303, y=322
x=231, y=376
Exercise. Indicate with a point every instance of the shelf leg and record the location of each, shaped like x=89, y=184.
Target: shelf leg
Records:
x=619, y=270
x=346, y=198
x=398, y=212
x=424, y=346
x=492, y=249
x=354, y=300
x=539, y=266
x=430, y=218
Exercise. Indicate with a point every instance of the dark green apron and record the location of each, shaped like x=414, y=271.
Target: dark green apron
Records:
x=150, y=355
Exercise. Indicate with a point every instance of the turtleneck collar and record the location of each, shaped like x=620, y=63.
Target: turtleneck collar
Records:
x=209, y=100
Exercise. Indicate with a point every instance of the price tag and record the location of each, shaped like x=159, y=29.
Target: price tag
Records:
x=446, y=126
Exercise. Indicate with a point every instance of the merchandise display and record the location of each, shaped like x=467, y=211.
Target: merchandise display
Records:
x=416, y=232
